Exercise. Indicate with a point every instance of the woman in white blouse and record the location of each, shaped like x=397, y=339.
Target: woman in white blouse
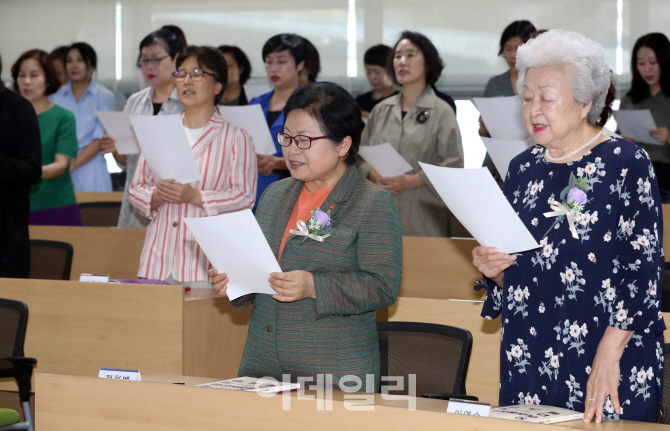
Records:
x=158, y=56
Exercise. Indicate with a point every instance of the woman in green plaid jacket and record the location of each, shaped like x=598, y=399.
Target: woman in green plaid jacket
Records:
x=338, y=267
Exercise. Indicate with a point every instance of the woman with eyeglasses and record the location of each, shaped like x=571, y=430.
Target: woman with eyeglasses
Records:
x=158, y=57
x=422, y=128
x=227, y=162
x=83, y=96
x=284, y=57
x=322, y=319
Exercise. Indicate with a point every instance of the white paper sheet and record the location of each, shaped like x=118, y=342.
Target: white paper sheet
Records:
x=475, y=199
x=118, y=126
x=251, y=119
x=503, y=117
x=235, y=245
x=385, y=160
x=636, y=124
x=163, y=142
x=502, y=152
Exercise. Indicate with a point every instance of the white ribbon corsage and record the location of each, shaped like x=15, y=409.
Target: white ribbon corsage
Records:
x=318, y=227
x=574, y=200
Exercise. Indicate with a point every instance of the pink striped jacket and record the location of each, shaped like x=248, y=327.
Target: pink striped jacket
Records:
x=227, y=162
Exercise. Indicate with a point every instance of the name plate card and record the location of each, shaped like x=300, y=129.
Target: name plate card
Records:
x=112, y=373
x=94, y=278
x=468, y=408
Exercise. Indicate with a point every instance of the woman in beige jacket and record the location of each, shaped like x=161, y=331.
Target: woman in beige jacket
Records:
x=422, y=128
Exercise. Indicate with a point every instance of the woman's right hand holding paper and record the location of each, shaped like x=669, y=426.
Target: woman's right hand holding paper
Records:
x=220, y=281
x=492, y=263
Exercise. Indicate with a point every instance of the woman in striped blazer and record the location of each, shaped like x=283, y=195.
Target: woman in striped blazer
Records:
x=226, y=160
x=322, y=319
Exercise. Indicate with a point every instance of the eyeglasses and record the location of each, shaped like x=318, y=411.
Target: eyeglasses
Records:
x=301, y=141
x=196, y=75
x=147, y=61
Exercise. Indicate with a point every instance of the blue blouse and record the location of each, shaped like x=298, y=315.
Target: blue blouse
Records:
x=93, y=176
x=265, y=180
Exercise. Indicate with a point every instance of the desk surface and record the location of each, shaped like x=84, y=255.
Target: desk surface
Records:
x=73, y=402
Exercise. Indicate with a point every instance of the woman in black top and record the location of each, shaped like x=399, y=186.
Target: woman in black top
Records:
x=20, y=167
x=239, y=71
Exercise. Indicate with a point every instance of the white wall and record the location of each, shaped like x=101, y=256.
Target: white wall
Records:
x=465, y=31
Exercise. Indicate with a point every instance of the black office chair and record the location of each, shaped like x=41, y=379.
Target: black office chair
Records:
x=437, y=354
x=50, y=260
x=13, y=324
x=665, y=304
x=100, y=213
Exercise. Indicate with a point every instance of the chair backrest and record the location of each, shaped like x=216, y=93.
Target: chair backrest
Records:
x=50, y=260
x=100, y=213
x=666, y=386
x=13, y=323
x=438, y=354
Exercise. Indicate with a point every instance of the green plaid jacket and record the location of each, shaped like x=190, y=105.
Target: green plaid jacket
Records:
x=356, y=271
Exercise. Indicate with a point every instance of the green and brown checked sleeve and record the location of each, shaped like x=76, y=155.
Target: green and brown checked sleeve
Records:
x=376, y=281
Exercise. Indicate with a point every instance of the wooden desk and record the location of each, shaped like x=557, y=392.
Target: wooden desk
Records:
x=78, y=328
x=438, y=268
x=83, y=197
x=85, y=403
x=98, y=250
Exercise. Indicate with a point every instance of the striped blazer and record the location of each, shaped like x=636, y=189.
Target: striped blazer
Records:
x=356, y=271
x=227, y=162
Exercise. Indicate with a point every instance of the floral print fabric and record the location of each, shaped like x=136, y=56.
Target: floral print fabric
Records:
x=558, y=300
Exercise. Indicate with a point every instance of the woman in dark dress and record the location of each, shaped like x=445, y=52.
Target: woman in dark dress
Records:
x=582, y=326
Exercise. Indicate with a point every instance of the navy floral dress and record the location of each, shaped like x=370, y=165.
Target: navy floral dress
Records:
x=558, y=300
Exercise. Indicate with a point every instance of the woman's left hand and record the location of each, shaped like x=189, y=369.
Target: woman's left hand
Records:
x=292, y=286
x=400, y=183
x=177, y=193
x=605, y=374
x=660, y=134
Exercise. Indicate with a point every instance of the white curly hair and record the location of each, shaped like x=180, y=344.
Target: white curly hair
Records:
x=573, y=53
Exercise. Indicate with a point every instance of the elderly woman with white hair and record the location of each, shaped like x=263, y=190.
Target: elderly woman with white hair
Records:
x=581, y=321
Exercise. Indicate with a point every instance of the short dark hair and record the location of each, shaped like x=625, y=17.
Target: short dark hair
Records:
x=60, y=53
x=52, y=84
x=168, y=40
x=657, y=42
x=211, y=58
x=336, y=111
x=87, y=53
x=524, y=29
x=433, y=63
x=377, y=55
x=312, y=61
x=286, y=41
x=241, y=60
x=177, y=32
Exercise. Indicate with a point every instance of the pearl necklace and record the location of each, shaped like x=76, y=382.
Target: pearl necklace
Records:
x=558, y=159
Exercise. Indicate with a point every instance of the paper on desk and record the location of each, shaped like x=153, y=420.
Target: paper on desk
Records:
x=503, y=117
x=251, y=119
x=475, y=199
x=385, y=160
x=636, y=124
x=502, y=152
x=235, y=244
x=118, y=126
x=165, y=148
